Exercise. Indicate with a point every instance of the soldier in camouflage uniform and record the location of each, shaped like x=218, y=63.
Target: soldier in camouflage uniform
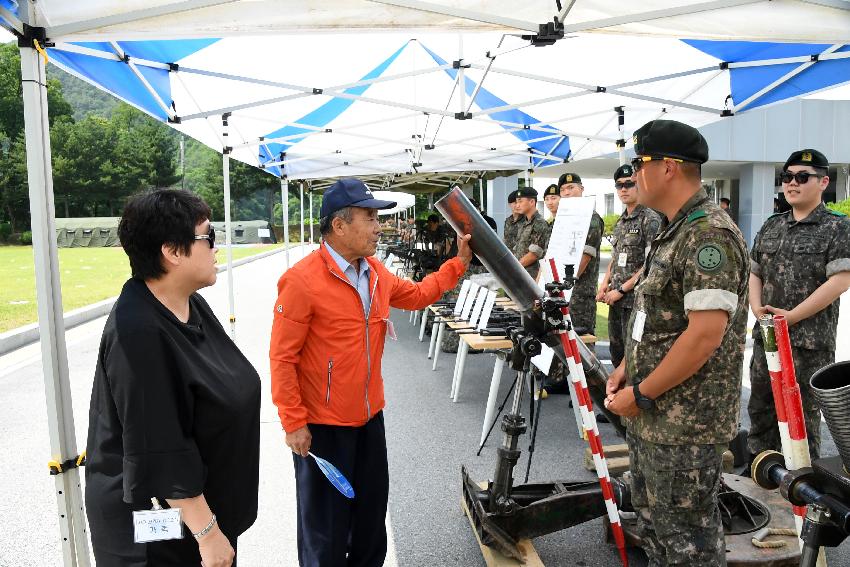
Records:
x=511, y=223
x=551, y=199
x=797, y=254
x=583, y=299
x=633, y=233
x=533, y=234
x=684, y=353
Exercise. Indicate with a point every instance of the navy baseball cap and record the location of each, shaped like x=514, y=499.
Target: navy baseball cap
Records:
x=351, y=192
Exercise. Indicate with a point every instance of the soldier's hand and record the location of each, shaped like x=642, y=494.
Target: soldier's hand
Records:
x=299, y=441
x=615, y=380
x=623, y=403
x=790, y=318
x=464, y=252
x=600, y=297
x=613, y=297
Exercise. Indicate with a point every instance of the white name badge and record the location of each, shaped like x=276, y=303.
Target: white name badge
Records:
x=637, y=329
x=621, y=259
x=157, y=525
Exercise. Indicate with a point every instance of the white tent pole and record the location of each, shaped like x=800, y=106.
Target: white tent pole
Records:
x=301, y=203
x=461, y=79
x=228, y=230
x=284, y=201
x=142, y=79
x=621, y=125
x=310, y=196
x=54, y=355
x=481, y=193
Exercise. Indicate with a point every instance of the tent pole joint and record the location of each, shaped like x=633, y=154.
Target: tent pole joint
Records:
x=31, y=34
x=463, y=115
x=318, y=91
x=600, y=89
x=174, y=120
x=547, y=33
x=726, y=113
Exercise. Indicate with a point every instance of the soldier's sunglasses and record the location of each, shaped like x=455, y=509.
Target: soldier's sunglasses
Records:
x=209, y=237
x=624, y=184
x=637, y=163
x=802, y=177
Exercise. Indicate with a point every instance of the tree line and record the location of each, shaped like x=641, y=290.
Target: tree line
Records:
x=104, y=150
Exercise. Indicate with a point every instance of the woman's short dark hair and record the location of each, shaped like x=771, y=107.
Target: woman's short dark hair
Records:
x=154, y=218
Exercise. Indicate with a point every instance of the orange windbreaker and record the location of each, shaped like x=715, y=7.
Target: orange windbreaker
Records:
x=325, y=354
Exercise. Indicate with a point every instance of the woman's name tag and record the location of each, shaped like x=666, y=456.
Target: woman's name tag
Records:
x=157, y=525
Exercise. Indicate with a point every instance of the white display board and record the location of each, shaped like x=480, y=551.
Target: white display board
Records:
x=569, y=233
x=488, y=309
x=470, y=300
x=479, y=305
x=461, y=297
x=264, y=233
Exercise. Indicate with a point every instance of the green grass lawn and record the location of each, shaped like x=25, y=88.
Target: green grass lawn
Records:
x=602, y=321
x=87, y=275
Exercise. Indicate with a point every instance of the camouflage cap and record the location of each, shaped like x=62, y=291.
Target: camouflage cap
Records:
x=807, y=157
x=552, y=190
x=670, y=138
x=624, y=170
x=569, y=178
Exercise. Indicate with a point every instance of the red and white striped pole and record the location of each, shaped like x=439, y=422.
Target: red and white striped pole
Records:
x=798, y=456
x=569, y=341
x=774, y=369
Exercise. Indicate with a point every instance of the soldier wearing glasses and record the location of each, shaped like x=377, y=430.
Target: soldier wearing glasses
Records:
x=633, y=233
x=800, y=266
x=679, y=384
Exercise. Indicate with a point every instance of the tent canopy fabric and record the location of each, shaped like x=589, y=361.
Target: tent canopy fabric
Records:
x=752, y=20
x=395, y=108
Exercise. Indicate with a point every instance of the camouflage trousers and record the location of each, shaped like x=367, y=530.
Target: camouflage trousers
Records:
x=674, y=492
x=764, y=431
x=583, y=313
x=618, y=322
x=451, y=340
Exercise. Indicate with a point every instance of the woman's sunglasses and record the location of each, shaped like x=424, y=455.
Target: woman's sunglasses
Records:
x=802, y=177
x=209, y=237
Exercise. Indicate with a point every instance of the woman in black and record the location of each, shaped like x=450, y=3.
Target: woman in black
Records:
x=175, y=405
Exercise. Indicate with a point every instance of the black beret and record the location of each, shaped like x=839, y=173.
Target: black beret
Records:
x=807, y=157
x=670, y=138
x=625, y=170
x=512, y=197
x=568, y=178
x=552, y=190
x=527, y=192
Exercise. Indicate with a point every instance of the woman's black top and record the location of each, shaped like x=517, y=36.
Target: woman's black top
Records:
x=175, y=412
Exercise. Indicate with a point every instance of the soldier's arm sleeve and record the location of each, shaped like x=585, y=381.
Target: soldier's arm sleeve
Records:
x=539, y=240
x=651, y=226
x=594, y=237
x=755, y=267
x=714, y=266
x=838, y=257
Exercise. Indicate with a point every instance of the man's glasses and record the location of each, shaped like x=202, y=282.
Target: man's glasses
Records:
x=637, y=163
x=802, y=177
x=624, y=184
x=209, y=237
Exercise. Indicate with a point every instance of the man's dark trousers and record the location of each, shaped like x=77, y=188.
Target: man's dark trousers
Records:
x=334, y=531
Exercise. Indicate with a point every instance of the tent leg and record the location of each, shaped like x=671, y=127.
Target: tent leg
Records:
x=284, y=200
x=301, y=202
x=54, y=355
x=228, y=230
x=310, y=195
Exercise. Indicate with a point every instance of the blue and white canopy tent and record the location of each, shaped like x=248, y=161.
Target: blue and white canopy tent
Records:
x=292, y=87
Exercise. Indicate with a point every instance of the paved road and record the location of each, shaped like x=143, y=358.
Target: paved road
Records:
x=429, y=438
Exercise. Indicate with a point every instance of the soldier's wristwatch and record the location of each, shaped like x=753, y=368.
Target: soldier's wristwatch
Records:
x=642, y=401
x=621, y=290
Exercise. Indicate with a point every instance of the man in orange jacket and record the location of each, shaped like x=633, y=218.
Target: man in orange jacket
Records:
x=330, y=321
